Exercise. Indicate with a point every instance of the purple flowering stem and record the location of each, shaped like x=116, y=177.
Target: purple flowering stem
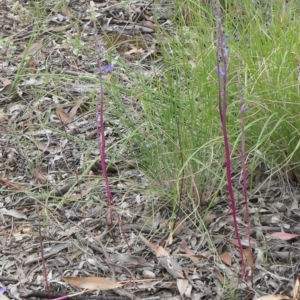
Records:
x=101, y=133
x=222, y=50
x=100, y=124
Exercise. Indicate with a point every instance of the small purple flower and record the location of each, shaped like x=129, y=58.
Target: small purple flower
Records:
x=225, y=51
x=220, y=71
x=245, y=108
x=218, y=19
x=107, y=68
x=242, y=100
x=3, y=290
x=226, y=38
x=100, y=48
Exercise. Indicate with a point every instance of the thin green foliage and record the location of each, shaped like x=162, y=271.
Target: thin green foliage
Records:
x=178, y=124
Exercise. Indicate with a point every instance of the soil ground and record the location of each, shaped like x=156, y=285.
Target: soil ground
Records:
x=52, y=191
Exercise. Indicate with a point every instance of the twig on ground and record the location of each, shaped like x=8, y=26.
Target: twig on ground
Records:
x=43, y=295
x=108, y=261
x=120, y=292
x=42, y=251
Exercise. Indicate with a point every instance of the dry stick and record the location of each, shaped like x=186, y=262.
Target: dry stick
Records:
x=42, y=253
x=120, y=292
x=38, y=294
x=97, y=239
x=112, y=270
x=139, y=14
x=76, y=173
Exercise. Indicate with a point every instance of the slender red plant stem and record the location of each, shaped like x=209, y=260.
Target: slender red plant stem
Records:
x=100, y=122
x=222, y=52
x=101, y=133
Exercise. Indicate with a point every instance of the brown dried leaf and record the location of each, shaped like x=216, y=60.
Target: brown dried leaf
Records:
x=296, y=287
x=226, y=258
x=75, y=108
x=171, y=265
x=182, y=285
x=92, y=283
x=9, y=184
x=208, y=218
x=164, y=259
x=13, y=213
x=161, y=252
x=39, y=176
x=135, y=50
x=84, y=192
x=63, y=116
x=32, y=66
x=284, y=235
x=222, y=279
x=153, y=248
x=186, y=249
x=66, y=12
x=180, y=226
x=148, y=24
x=34, y=48
x=65, y=119
x=51, y=149
x=108, y=77
x=274, y=297
x=5, y=81
x=57, y=28
x=249, y=257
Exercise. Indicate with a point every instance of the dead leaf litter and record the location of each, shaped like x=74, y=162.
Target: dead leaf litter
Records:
x=50, y=176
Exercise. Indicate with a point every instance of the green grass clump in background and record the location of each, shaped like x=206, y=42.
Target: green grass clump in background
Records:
x=177, y=136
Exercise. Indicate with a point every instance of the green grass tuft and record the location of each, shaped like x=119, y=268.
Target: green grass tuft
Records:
x=176, y=136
